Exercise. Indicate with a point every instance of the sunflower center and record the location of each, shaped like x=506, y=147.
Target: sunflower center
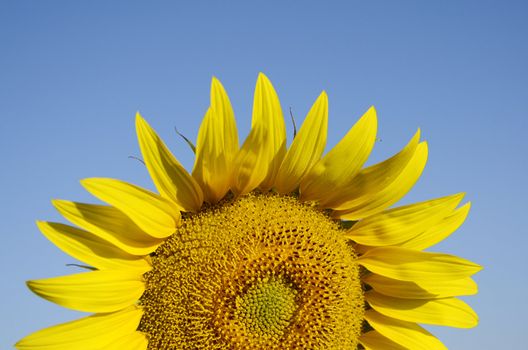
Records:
x=260, y=272
x=267, y=307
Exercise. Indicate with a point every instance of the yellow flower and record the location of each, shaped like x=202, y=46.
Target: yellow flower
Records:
x=262, y=247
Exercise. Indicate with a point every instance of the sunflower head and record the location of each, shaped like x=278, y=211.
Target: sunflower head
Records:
x=261, y=246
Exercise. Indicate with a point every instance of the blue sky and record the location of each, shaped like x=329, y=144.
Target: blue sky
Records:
x=73, y=74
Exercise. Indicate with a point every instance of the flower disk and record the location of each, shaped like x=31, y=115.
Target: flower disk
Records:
x=263, y=271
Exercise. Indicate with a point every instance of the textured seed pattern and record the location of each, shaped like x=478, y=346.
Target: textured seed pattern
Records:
x=260, y=272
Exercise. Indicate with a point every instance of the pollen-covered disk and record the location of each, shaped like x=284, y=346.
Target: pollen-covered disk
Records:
x=258, y=272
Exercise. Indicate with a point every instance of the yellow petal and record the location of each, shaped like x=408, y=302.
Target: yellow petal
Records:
x=259, y=159
x=379, y=195
x=306, y=148
x=335, y=171
x=449, y=312
x=150, y=212
x=421, y=289
x=220, y=103
x=267, y=114
x=440, y=231
x=169, y=176
x=132, y=341
x=110, y=225
x=216, y=146
x=411, y=265
x=401, y=224
x=91, y=249
x=250, y=167
x=375, y=341
x=407, y=334
x=96, y=291
x=89, y=333
x=375, y=178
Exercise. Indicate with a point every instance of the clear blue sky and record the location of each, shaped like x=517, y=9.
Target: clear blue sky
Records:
x=73, y=74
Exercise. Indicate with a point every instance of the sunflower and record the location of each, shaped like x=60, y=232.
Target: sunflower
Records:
x=262, y=246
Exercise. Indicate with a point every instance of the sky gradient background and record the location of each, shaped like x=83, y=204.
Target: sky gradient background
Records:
x=73, y=74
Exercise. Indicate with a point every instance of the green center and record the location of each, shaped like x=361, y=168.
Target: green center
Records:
x=267, y=306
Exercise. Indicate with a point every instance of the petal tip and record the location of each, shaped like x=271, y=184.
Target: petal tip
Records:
x=141, y=123
x=216, y=86
x=262, y=78
x=31, y=285
x=456, y=197
x=41, y=225
x=91, y=181
x=479, y=267
x=87, y=182
x=58, y=203
x=425, y=147
x=417, y=134
x=323, y=99
x=370, y=116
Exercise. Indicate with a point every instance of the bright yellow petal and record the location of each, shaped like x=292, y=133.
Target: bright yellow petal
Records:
x=221, y=104
x=96, y=291
x=411, y=265
x=401, y=224
x=422, y=289
x=249, y=166
x=375, y=341
x=267, y=114
x=109, y=224
x=91, y=249
x=89, y=333
x=150, y=212
x=335, y=171
x=449, y=312
x=169, y=176
x=132, y=341
x=306, y=148
x=407, y=334
x=373, y=179
x=440, y=231
x=379, y=195
x=259, y=159
x=216, y=146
